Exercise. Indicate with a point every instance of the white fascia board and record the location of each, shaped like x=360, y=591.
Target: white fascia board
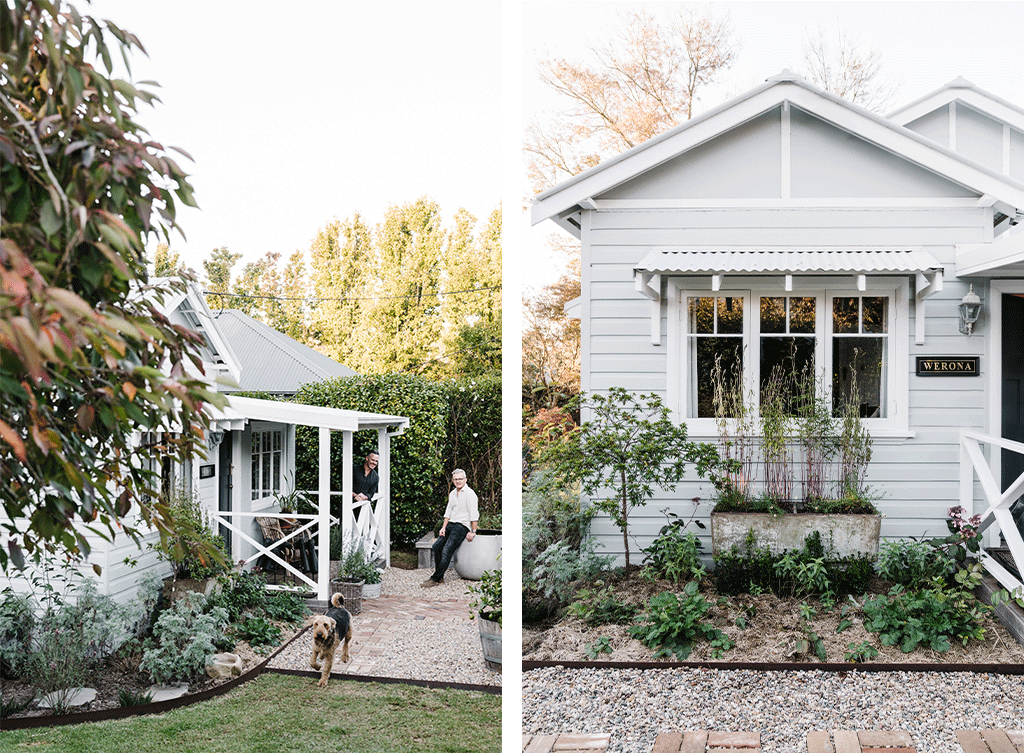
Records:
x=977, y=99
x=641, y=158
x=336, y=419
x=851, y=118
x=198, y=302
x=910, y=146
x=977, y=259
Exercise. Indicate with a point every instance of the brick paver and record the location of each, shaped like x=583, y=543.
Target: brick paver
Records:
x=702, y=741
x=991, y=740
x=575, y=742
x=868, y=741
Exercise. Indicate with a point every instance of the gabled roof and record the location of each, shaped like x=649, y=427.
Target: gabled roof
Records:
x=190, y=306
x=271, y=361
x=563, y=201
x=961, y=90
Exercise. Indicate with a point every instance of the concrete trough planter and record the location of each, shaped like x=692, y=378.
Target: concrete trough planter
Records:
x=842, y=534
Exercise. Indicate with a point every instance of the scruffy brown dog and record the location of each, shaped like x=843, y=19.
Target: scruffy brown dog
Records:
x=330, y=630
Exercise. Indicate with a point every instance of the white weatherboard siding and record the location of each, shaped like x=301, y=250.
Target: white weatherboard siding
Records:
x=917, y=476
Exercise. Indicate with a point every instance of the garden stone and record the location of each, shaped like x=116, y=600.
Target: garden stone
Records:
x=224, y=665
x=74, y=697
x=165, y=693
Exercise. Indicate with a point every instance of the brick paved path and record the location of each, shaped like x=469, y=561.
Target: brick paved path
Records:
x=375, y=624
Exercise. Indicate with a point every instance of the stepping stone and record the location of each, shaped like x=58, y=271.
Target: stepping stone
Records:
x=990, y=740
x=166, y=693
x=75, y=697
x=700, y=741
x=575, y=742
x=886, y=741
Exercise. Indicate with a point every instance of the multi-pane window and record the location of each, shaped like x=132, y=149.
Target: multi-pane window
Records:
x=788, y=340
x=860, y=350
x=715, y=343
x=838, y=340
x=266, y=463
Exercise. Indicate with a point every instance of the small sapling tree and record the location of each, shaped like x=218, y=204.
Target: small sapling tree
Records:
x=627, y=446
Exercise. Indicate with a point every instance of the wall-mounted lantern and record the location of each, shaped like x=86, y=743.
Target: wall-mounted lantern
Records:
x=970, y=310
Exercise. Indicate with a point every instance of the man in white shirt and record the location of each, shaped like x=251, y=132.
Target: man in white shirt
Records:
x=460, y=521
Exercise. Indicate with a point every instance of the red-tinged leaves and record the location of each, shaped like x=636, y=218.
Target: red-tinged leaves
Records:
x=129, y=390
x=14, y=440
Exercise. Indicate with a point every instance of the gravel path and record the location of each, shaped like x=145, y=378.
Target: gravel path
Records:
x=445, y=648
x=635, y=705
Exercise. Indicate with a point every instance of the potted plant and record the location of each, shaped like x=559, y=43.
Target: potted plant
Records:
x=487, y=605
x=353, y=568
x=802, y=436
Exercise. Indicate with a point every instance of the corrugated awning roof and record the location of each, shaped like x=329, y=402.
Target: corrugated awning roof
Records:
x=788, y=262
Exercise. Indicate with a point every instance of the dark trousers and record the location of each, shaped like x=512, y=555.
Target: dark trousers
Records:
x=444, y=548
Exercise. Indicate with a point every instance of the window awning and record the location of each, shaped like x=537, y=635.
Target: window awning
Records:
x=719, y=263
x=788, y=262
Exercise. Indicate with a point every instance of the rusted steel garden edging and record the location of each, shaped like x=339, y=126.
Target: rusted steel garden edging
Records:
x=863, y=667
x=386, y=680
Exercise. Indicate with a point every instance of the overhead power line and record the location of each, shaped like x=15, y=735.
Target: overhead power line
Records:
x=313, y=299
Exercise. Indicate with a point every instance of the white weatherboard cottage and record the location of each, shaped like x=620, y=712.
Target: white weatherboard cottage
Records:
x=865, y=233
x=251, y=458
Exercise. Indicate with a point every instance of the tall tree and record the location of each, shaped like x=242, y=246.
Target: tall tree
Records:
x=218, y=276
x=472, y=301
x=645, y=78
x=848, y=70
x=166, y=263
x=292, y=317
x=87, y=360
x=551, y=339
x=341, y=262
x=257, y=288
x=403, y=326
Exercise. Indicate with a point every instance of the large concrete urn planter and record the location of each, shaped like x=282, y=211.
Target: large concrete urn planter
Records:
x=842, y=534
x=482, y=554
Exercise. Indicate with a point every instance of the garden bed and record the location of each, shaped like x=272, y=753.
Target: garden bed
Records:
x=774, y=628
x=123, y=673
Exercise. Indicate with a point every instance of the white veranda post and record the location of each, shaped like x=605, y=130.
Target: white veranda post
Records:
x=324, y=517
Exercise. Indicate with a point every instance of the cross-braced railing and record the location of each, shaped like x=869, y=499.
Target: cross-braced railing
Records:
x=973, y=463
x=368, y=523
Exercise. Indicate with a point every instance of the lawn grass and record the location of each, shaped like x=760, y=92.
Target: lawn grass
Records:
x=289, y=713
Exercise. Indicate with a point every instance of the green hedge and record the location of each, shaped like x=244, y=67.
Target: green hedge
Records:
x=416, y=456
x=473, y=437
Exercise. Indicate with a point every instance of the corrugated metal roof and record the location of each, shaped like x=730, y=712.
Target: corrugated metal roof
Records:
x=271, y=361
x=787, y=262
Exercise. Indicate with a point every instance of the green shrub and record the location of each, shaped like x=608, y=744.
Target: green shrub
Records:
x=417, y=456
x=599, y=607
x=246, y=591
x=285, y=606
x=193, y=549
x=473, y=437
x=556, y=571
x=929, y=617
x=914, y=563
x=127, y=698
x=674, y=623
x=675, y=553
x=806, y=571
x=183, y=638
x=258, y=631
x=17, y=622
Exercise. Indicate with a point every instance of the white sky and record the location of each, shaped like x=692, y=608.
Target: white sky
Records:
x=294, y=117
x=923, y=45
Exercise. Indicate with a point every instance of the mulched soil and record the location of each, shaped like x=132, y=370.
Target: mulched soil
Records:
x=124, y=673
x=773, y=626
